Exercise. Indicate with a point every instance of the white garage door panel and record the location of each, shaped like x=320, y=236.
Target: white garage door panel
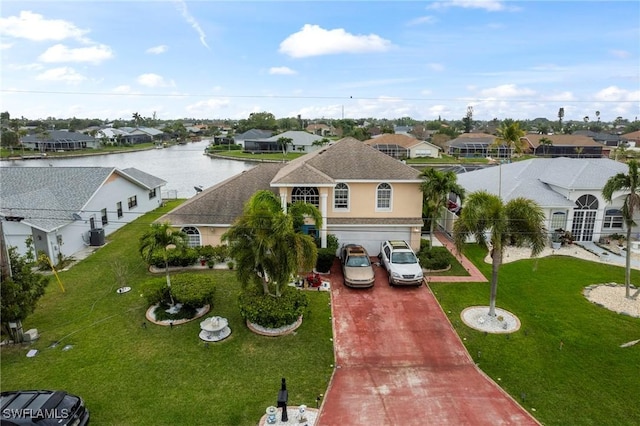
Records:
x=371, y=238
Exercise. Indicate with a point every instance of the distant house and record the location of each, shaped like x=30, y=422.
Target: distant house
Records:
x=475, y=145
x=65, y=209
x=321, y=129
x=606, y=139
x=300, y=142
x=138, y=135
x=569, y=190
x=402, y=146
x=364, y=196
x=253, y=134
x=565, y=146
x=59, y=140
x=111, y=135
x=633, y=138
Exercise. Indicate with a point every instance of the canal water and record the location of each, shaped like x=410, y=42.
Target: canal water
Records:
x=182, y=166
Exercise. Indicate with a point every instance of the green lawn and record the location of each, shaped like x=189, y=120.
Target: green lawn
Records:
x=591, y=380
x=130, y=375
x=276, y=156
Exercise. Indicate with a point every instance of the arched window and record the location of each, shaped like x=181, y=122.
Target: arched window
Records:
x=587, y=202
x=558, y=220
x=341, y=197
x=306, y=194
x=383, y=197
x=193, y=236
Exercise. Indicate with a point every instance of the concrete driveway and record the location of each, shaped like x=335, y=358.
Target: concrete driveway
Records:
x=399, y=362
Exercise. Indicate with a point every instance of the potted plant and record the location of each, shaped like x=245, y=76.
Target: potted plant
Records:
x=556, y=238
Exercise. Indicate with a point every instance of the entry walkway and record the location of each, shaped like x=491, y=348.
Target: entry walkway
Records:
x=400, y=362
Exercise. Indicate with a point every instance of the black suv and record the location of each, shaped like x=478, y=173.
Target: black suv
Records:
x=42, y=408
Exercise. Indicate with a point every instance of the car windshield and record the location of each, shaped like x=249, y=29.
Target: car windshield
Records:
x=403, y=257
x=356, y=261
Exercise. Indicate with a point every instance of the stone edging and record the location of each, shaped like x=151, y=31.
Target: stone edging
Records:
x=151, y=318
x=274, y=332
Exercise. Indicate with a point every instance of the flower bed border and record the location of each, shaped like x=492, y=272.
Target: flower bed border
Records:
x=274, y=332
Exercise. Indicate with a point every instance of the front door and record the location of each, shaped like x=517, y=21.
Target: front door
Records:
x=584, y=218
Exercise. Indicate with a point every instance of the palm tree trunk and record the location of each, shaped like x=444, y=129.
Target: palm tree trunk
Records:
x=627, y=271
x=166, y=271
x=431, y=228
x=495, y=265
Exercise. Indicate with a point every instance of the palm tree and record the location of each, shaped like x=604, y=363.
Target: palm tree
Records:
x=510, y=134
x=629, y=184
x=161, y=237
x=282, y=143
x=265, y=245
x=546, y=144
x=436, y=187
x=136, y=118
x=486, y=217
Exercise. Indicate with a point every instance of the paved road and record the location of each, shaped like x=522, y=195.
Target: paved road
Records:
x=399, y=362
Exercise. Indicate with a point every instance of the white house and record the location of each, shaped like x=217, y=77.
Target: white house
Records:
x=65, y=209
x=569, y=190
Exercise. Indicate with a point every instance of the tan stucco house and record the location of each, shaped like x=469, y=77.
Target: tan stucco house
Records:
x=402, y=146
x=365, y=197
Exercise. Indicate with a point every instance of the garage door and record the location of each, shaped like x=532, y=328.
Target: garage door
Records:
x=370, y=238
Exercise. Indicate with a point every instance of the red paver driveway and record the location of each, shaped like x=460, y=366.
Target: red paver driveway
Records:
x=399, y=362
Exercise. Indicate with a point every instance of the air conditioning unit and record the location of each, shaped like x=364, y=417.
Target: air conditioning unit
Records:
x=96, y=237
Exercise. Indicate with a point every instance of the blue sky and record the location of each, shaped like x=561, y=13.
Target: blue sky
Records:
x=329, y=59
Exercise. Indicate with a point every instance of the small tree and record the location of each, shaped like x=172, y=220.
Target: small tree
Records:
x=629, y=185
x=20, y=291
x=436, y=187
x=159, y=238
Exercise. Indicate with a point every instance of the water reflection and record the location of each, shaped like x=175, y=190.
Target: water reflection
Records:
x=182, y=166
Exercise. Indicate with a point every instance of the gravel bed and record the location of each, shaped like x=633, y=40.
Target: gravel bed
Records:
x=612, y=296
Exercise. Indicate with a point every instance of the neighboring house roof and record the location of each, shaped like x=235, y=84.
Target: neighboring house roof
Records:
x=633, y=136
x=298, y=137
x=222, y=203
x=535, y=178
x=144, y=179
x=46, y=197
x=147, y=130
x=254, y=134
x=347, y=159
x=467, y=138
x=596, y=136
x=58, y=135
x=561, y=140
x=110, y=133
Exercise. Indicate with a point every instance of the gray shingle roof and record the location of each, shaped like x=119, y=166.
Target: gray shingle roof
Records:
x=145, y=179
x=298, y=137
x=346, y=159
x=254, y=134
x=223, y=203
x=54, y=135
x=535, y=178
x=47, y=196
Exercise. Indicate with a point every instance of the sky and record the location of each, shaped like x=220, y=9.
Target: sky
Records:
x=320, y=59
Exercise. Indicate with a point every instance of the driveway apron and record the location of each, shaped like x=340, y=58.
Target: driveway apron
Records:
x=400, y=362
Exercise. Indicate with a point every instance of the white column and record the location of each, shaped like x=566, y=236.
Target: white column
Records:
x=323, y=211
x=283, y=201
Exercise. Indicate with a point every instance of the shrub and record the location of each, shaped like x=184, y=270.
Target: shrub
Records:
x=220, y=253
x=272, y=312
x=326, y=257
x=194, y=290
x=332, y=242
x=155, y=290
x=206, y=252
x=185, y=257
x=436, y=258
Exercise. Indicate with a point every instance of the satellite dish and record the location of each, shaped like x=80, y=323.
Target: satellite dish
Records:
x=198, y=188
x=76, y=216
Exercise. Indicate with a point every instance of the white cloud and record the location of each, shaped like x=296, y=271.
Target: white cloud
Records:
x=157, y=50
x=182, y=6
x=426, y=92
x=61, y=53
x=5, y=46
x=621, y=54
x=422, y=20
x=506, y=91
x=153, y=80
x=561, y=97
x=281, y=71
x=122, y=89
x=33, y=26
x=312, y=40
x=489, y=5
x=66, y=74
x=615, y=94
x=435, y=67
x=203, y=108
x=26, y=67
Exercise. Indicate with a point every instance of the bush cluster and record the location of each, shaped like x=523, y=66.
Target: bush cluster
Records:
x=192, y=290
x=434, y=258
x=272, y=312
x=186, y=257
x=327, y=255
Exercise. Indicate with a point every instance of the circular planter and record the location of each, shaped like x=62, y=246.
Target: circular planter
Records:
x=275, y=332
x=152, y=318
